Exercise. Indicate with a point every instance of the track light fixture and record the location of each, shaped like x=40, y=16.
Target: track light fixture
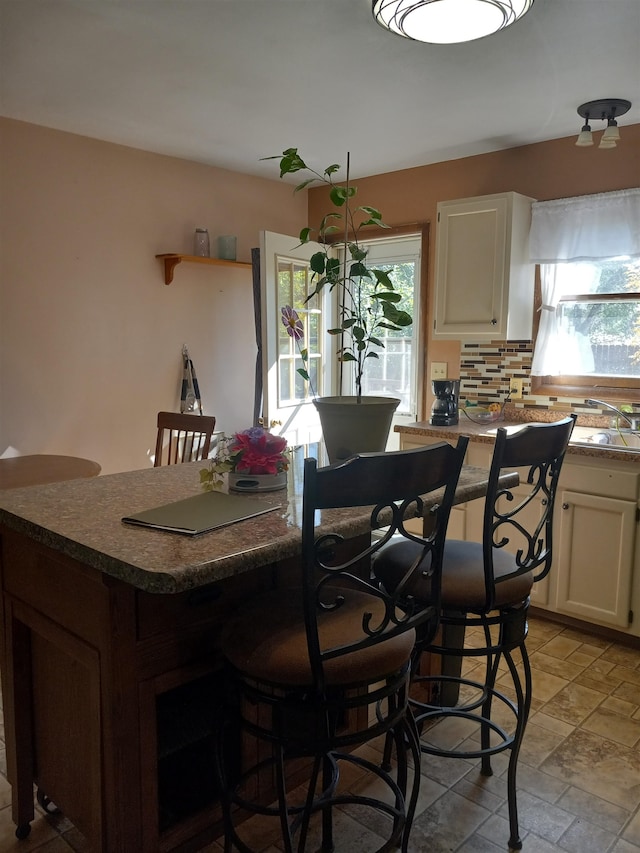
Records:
x=448, y=21
x=603, y=110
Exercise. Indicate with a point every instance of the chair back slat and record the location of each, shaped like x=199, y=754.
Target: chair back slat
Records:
x=183, y=438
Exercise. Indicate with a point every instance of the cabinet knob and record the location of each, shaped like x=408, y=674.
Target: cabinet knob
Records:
x=565, y=506
x=494, y=322
x=544, y=501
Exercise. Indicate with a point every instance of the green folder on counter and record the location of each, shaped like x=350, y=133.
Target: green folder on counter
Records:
x=200, y=514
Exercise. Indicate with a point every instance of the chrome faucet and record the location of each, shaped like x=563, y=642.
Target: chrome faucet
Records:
x=634, y=422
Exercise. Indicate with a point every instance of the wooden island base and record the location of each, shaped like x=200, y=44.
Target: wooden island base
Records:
x=111, y=673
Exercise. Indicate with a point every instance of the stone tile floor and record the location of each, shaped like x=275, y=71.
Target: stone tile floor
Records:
x=579, y=772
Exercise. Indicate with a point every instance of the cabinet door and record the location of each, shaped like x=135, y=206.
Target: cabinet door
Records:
x=470, y=258
x=484, y=278
x=595, y=550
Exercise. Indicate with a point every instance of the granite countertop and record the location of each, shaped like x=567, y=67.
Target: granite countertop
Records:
x=83, y=520
x=486, y=433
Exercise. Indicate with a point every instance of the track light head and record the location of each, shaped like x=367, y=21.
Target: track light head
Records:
x=585, y=137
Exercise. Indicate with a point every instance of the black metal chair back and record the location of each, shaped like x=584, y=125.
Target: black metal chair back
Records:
x=393, y=483
x=507, y=526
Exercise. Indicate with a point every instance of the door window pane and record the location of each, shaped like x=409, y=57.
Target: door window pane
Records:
x=392, y=373
x=294, y=284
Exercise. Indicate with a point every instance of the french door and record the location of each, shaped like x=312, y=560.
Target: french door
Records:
x=287, y=398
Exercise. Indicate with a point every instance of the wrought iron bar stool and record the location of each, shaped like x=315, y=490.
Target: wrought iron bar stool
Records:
x=486, y=585
x=323, y=668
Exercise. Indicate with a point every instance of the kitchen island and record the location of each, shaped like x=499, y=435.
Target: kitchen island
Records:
x=110, y=666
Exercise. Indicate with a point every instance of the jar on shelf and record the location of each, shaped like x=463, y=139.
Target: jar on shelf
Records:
x=201, y=243
x=227, y=248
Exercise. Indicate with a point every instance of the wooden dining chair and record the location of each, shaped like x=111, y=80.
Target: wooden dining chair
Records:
x=486, y=588
x=183, y=438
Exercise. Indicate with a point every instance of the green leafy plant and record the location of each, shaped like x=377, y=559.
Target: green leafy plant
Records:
x=367, y=299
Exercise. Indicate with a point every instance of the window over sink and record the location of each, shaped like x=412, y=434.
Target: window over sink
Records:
x=588, y=341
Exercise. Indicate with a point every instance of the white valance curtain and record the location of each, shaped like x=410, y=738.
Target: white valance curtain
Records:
x=566, y=231
x=588, y=227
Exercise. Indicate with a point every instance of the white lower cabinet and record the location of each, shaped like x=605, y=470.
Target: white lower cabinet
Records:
x=596, y=521
x=595, y=574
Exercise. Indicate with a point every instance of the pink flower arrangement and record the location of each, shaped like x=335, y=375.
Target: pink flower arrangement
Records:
x=252, y=451
x=256, y=451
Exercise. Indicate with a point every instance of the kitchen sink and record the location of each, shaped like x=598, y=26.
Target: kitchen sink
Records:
x=623, y=439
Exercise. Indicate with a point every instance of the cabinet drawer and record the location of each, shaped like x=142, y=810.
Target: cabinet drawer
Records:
x=165, y=614
x=600, y=481
x=479, y=455
x=420, y=441
x=49, y=582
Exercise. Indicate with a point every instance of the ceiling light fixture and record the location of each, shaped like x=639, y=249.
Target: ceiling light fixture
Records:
x=448, y=21
x=604, y=110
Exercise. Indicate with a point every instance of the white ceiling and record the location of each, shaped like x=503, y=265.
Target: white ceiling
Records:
x=226, y=82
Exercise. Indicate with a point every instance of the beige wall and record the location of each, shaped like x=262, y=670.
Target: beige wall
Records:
x=90, y=336
x=554, y=169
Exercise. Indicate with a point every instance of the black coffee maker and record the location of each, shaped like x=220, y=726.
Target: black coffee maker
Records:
x=444, y=411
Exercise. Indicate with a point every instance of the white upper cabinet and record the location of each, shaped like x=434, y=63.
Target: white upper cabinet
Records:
x=484, y=279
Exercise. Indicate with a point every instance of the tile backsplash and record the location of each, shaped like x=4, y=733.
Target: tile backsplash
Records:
x=486, y=371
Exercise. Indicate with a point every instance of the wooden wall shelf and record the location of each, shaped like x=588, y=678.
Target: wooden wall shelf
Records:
x=171, y=261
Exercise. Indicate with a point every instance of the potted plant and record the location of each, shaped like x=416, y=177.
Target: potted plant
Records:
x=367, y=303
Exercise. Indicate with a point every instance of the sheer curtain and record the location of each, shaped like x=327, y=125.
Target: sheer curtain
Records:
x=565, y=231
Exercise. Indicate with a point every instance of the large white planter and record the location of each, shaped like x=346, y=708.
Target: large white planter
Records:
x=350, y=427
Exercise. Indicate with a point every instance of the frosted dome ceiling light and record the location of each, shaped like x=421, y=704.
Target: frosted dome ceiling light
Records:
x=448, y=21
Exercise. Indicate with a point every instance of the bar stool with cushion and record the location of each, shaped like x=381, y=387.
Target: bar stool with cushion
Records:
x=323, y=667
x=485, y=592
x=183, y=438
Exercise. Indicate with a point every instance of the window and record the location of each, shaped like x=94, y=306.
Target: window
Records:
x=598, y=316
x=294, y=284
x=589, y=333
x=392, y=373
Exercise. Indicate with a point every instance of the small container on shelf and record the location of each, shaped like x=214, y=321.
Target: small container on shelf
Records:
x=227, y=248
x=201, y=243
